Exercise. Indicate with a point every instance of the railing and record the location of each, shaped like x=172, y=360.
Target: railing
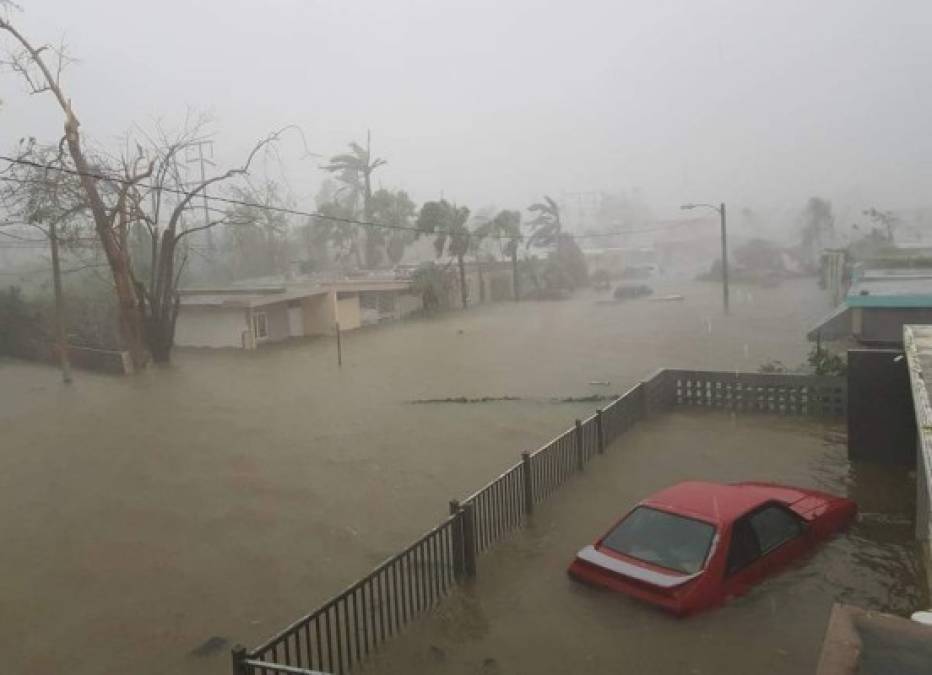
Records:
x=761, y=392
x=347, y=628
x=498, y=508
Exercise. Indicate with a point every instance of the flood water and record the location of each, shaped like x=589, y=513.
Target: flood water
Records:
x=148, y=521
x=524, y=615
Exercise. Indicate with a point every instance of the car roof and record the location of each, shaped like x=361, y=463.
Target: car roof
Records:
x=720, y=503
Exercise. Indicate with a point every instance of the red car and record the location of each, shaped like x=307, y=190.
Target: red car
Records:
x=695, y=544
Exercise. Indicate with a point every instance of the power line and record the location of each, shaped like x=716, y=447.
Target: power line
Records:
x=295, y=212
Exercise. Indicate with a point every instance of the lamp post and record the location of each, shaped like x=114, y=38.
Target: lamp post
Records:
x=721, y=212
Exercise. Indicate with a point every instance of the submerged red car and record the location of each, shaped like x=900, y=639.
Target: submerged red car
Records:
x=695, y=544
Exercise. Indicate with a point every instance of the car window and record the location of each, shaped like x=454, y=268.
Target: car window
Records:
x=744, y=549
x=662, y=538
x=773, y=526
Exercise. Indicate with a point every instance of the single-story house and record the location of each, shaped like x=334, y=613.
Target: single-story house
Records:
x=246, y=318
x=877, y=306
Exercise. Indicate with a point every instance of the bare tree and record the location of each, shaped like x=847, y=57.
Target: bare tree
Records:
x=135, y=193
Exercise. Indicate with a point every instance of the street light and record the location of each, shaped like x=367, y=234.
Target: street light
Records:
x=721, y=212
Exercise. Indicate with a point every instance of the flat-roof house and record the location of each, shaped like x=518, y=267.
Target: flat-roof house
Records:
x=249, y=317
x=877, y=306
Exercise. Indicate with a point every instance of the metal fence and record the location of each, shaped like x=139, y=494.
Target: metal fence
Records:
x=346, y=629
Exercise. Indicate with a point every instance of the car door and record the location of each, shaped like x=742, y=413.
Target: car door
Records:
x=744, y=566
x=780, y=534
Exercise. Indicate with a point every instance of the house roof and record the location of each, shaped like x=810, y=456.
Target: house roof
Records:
x=244, y=298
x=906, y=288
x=259, y=296
x=833, y=326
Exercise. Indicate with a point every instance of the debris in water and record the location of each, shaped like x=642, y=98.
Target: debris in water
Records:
x=210, y=647
x=668, y=298
x=599, y=383
x=593, y=398
x=466, y=399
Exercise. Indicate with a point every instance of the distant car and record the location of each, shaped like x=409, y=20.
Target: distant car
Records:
x=694, y=545
x=627, y=291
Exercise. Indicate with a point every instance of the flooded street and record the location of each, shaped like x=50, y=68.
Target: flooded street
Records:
x=524, y=615
x=228, y=494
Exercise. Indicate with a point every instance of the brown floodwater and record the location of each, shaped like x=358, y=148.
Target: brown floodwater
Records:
x=231, y=492
x=524, y=615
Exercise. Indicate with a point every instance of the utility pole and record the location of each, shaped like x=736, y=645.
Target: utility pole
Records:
x=61, y=343
x=194, y=154
x=721, y=212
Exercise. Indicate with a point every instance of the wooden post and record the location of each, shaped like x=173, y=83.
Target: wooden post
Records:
x=339, y=346
x=469, y=540
x=528, y=483
x=580, y=460
x=459, y=562
x=599, y=431
x=238, y=659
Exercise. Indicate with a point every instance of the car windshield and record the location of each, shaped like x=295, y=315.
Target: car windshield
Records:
x=662, y=538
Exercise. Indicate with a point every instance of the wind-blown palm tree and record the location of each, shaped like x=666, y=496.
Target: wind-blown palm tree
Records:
x=505, y=228
x=395, y=210
x=447, y=223
x=546, y=226
x=354, y=169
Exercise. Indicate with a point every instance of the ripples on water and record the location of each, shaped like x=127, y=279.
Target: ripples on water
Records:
x=876, y=563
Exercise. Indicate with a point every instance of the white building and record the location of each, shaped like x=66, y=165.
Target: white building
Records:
x=248, y=317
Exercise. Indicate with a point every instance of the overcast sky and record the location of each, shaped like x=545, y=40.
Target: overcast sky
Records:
x=759, y=103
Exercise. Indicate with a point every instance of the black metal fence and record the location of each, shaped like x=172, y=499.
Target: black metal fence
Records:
x=346, y=629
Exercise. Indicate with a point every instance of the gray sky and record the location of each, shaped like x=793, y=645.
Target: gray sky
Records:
x=760, y=103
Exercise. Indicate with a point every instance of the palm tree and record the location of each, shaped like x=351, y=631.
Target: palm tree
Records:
x=447, y=223
x=505, y=227
x=546, y=225
x=396, y=210
x=354, y=169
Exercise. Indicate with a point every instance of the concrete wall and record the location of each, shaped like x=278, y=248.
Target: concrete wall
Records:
x=917, y=343
x=348, y=311
x=881, y=422
x=497, y=280
x=211, y=327
x=320, y=314
x=885, y=325
x=277, y=317
x=295, y=319
x=408, y=303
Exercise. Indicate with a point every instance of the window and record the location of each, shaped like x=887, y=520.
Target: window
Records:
x=662, y=538
x=745, y=548
x=260, y=325
x=774, y=525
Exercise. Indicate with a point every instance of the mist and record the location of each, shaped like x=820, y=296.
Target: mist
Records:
x=757, y=103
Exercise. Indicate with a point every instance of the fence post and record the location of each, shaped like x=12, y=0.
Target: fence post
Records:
x=580, y=459
x=238, y=660
x=469, y=540
x=599, y=431
x=528, y=483
x=339, y=346
x=645, y=400
x=458, y=560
